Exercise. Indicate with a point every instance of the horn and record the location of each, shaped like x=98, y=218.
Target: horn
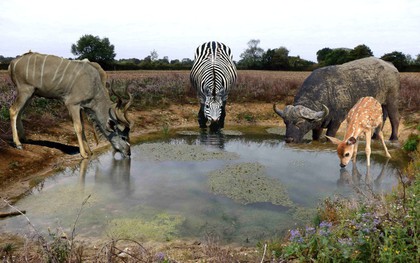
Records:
x=323, y=113
x=119, y=100
x=110, y=114
x=279, y=112
x=130, y=100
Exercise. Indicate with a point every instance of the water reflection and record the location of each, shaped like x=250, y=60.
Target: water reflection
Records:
x=211, y=138
x=354, y=178
x=117, y=174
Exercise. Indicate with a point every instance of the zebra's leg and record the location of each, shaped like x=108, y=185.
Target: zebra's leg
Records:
x=201, y=118
x=215, y=126
x=222, y=116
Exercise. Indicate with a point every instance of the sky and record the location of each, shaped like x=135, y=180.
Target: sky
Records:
x=175, y=28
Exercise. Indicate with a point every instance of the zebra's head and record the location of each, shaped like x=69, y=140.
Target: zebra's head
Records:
x=213, y=107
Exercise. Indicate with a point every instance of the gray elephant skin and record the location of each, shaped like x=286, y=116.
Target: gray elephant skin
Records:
x=327, y=95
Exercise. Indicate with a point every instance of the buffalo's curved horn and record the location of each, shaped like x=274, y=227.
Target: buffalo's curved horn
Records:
x=279, y=112
x=309, y=114
x=323, y=113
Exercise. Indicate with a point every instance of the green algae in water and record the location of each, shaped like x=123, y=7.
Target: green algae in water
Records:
x=248, y=183
x=161, y=227
x=180, y=152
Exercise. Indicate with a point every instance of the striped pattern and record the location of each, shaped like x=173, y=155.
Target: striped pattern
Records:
x=213, y=74
x=53, y=77
x=81, y=86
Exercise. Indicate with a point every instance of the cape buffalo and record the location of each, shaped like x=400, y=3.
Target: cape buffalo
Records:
x=327, y=95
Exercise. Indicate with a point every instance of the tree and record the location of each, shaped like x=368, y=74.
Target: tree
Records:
x=360, y=51
x=154, y=55
x=322, y=54
x=252, y=56
x=95, y=49
x=276, y=59
x=337, y=56
x=399, y=60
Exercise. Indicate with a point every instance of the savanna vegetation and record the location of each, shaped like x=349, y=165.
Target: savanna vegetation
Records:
x=370, y=228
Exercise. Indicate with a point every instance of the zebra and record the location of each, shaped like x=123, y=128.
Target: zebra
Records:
x=212, y=75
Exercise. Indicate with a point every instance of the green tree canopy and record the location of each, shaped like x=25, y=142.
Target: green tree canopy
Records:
x=337, y=56
x=360, y=51
x=252, y=56
x=276, y=59
x=95, y=49
x=399, y=60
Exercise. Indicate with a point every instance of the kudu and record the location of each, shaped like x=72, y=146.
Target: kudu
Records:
x=81, y=85
x=365, y=116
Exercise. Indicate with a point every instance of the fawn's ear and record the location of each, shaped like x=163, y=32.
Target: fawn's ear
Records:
x=333, y=140
x=351, y=141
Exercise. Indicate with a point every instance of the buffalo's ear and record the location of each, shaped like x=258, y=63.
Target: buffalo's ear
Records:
x=351, y=141
x=333, y=140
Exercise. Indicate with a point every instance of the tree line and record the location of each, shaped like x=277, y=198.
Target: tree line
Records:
x=253, y=57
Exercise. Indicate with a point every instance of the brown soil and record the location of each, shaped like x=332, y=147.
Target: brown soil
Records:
x=50, y=146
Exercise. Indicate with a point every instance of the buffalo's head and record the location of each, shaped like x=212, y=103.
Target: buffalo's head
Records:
x=300, y=120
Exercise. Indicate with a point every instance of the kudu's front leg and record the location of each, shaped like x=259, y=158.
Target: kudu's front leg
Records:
x=75, y=113
x=25, y=92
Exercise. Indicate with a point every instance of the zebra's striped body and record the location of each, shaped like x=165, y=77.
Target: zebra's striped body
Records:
x=212, y=75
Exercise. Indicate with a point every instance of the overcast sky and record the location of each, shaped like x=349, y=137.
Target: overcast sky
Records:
x=174, y=28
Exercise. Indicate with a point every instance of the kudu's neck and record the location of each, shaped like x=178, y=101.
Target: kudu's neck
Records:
x=98, y=111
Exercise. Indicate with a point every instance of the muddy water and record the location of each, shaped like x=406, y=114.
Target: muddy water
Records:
x=242, y=186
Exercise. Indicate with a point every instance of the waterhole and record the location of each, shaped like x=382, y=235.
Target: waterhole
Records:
x=242, y=186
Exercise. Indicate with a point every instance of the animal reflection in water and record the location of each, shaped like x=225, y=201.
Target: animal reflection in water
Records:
x=354, y=178
x=216, y=139
x=117, y=175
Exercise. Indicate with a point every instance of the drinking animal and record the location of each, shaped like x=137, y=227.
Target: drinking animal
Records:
x=327, y=95
x=81, y=85
x=365, y=116
x=213, y=74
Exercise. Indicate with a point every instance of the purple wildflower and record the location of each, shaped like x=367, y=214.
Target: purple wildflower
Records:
x=160, y=256
x=325, y=224
x=295, y=236
x=324, y=228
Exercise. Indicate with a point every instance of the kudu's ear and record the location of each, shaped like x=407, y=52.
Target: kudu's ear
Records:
x=333, y=140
